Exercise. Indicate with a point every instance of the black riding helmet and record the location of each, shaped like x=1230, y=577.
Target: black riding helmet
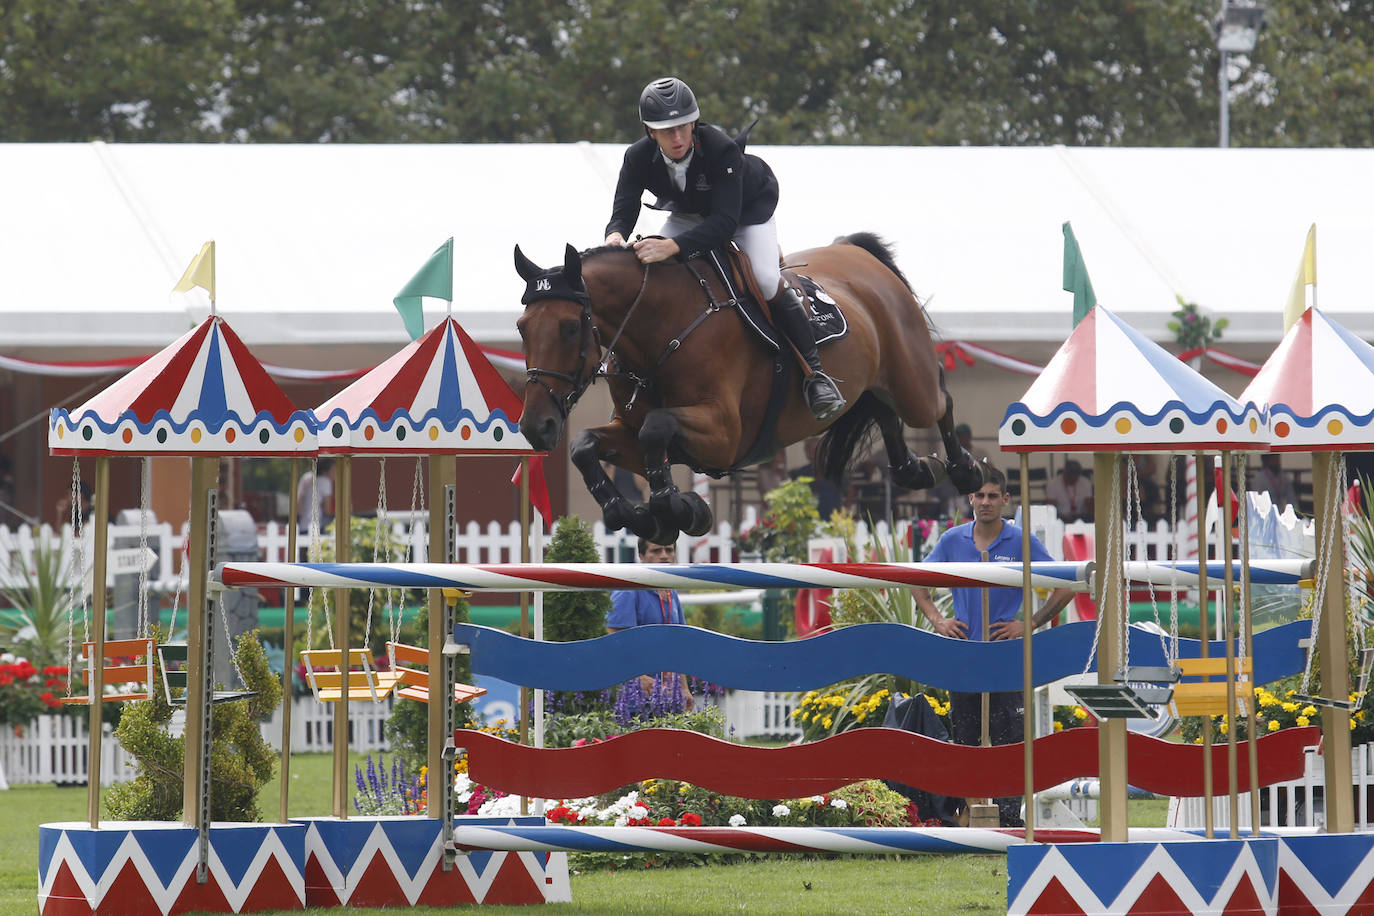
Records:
x=667, y=102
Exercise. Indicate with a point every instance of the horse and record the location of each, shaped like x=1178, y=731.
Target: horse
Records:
x=691, y=383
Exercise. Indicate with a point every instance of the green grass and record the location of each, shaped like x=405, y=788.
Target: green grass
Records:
x=872, y=885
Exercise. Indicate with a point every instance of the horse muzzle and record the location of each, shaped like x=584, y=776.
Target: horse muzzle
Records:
x=541, y=429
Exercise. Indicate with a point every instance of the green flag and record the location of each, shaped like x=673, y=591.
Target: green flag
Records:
x=1076, y=277
x=435, y=280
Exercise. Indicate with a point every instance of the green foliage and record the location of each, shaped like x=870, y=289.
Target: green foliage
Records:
x=570, y=616
x=43, y=597
x=241, y=762
x=598, y=725
x=408, y=726
x=1192, y=329
x=791, y=519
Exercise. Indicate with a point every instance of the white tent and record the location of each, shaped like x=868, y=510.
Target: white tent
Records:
x=314, y=240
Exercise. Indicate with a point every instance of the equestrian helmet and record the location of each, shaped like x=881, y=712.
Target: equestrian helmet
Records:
x=667, y=102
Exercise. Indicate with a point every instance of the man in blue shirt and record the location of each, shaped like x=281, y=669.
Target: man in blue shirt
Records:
x=640, y=607
x=988, y=538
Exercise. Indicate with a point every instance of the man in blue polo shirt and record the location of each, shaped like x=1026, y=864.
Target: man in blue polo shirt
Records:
x=639, y=607
x=988, y=538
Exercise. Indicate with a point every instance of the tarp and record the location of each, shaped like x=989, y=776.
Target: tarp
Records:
x=313, y=241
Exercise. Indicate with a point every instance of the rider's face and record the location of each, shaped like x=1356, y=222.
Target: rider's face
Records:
x=673, y=141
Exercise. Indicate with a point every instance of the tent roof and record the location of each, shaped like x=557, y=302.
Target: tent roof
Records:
x=1111, y=389
x=314, y=240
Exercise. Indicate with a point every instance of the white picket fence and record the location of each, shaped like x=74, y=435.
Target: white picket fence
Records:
x=54, y=749
x=1286, y=804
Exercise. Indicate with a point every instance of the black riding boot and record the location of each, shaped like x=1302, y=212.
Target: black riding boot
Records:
x=789, y=314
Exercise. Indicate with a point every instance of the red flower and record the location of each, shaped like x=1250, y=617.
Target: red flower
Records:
x=691, y=820
x=50, y=700
x=667, y=822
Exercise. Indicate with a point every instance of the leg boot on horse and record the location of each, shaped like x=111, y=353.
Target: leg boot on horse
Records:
x=789, y=314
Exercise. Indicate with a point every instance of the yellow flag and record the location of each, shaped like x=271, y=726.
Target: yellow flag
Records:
x=201, y=272
x=1298, y=301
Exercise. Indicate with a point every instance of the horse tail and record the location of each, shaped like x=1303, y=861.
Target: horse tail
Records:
x=843, y=437
x=880, y=249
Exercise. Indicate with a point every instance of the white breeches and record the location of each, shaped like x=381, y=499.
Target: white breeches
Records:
x=759, y=242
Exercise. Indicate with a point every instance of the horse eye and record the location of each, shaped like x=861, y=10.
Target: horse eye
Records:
x=570, y=329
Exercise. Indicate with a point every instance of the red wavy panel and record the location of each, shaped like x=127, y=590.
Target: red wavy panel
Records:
x=796, y=771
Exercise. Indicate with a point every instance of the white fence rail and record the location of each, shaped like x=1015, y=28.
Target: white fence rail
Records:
x=54, y=749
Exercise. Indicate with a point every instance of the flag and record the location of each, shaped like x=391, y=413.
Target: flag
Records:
x=1306, y=279
x=539, y=488
x=435, y=280
x=200, y=272
x=1076, y=277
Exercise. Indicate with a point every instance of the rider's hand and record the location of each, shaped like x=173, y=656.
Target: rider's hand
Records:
x=651, y=251
x=615, y=239
x=951, y=627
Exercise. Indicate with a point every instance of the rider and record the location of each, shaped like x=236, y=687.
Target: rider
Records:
x=714, y=193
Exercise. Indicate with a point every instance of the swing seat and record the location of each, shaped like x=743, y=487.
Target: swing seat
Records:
x=175, y=681
x=1208, y=698
x=1114, y=701
x=364, y=681
x=413, y=683
x=138, y=673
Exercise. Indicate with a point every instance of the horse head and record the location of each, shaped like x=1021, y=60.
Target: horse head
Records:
x=560, y=345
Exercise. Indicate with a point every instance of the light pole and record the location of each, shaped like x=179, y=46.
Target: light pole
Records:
x=1238, y=29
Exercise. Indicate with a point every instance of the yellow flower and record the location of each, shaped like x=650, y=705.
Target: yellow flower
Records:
x=1352, y=725
x=1309, y=710
x=1080, y=713
x=1273, y=725
x=1303, y=720
x=1059, y=726
x=826, y=722
x=1290, y=707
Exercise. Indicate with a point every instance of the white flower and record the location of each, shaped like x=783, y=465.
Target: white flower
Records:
x=505, y=806
x=839, y=803
x=638, y=811
x=781, y=811
x=818, y=799
x=622, y=821
x=737, y=820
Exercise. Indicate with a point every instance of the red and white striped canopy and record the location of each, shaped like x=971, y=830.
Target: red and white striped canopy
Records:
x=1111, y=389
x=438, y=395
x=203, y=395
x=1319, y=388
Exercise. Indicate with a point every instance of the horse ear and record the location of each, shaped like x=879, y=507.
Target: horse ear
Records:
x=572, y=266
x=526, y=268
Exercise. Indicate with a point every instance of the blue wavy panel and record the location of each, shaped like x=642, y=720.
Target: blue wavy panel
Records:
x=743, y=664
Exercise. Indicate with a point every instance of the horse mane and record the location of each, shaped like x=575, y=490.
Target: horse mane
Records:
x=604, y=249
x=875, y=245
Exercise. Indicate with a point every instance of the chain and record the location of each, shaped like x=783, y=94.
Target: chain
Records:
x=145, y=479
x=78, y=573
x=1172, y=655
x=1328, y=533
x=417, y=510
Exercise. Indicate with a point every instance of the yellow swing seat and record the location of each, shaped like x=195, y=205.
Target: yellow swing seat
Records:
x=1206, y=697
x=364, y=680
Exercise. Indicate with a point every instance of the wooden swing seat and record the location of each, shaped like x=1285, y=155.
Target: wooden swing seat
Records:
x=139, y=673
x=174, y=681
x=364, y=681
x=1208, y=698
x=413, y=683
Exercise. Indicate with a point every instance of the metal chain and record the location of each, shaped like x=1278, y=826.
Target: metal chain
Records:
x=145, y=470
x=417, y=510
x=1328, y=533
x=1115, y=524
x=1172, y=655
x=1135, y=516
x=78, y=576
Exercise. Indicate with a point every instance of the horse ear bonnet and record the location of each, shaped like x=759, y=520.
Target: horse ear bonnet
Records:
x=563, y=282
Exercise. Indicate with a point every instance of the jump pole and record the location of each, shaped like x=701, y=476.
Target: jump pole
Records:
x=101, y=513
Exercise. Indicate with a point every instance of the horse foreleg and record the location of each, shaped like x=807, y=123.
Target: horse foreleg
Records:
x=674, y=509
x=587, y=451
x=963, y=471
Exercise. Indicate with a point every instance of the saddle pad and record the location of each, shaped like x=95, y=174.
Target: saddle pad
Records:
x=827, y=321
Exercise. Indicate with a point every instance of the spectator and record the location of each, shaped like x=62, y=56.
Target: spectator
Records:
x=1270, y=478
x=1072, y=493
x=640, y=607
x=829, y=499
x=991, y=538
x=315, y=495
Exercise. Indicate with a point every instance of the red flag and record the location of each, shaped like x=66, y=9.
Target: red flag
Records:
x=539, y=488
x=1216, y=490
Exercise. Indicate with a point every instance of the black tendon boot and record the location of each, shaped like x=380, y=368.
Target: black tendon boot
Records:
x=789, y=314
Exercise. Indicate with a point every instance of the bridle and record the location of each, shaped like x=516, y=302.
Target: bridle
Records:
x=579, y=382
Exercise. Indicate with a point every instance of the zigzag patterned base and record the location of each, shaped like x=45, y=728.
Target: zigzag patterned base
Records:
x=397, y=861
x=1330, y=875
x=148, y=868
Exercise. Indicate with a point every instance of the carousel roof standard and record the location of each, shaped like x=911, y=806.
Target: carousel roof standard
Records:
x=439, y=394
x=1318, y=386
x=1111, y=389
x=203, y=395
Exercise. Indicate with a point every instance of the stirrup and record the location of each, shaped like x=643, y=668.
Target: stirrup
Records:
x=823, y=397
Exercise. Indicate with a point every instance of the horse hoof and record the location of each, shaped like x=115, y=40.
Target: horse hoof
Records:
x=701, y=520
x=642, y=523
x=916, y=473
x=965, y=474
x=617, y=514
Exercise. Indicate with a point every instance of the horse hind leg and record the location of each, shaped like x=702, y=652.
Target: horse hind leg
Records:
x=674, y=510
x=961, y=467
x=908, y=470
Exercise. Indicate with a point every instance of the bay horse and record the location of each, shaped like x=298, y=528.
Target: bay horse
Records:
x=691, y=384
